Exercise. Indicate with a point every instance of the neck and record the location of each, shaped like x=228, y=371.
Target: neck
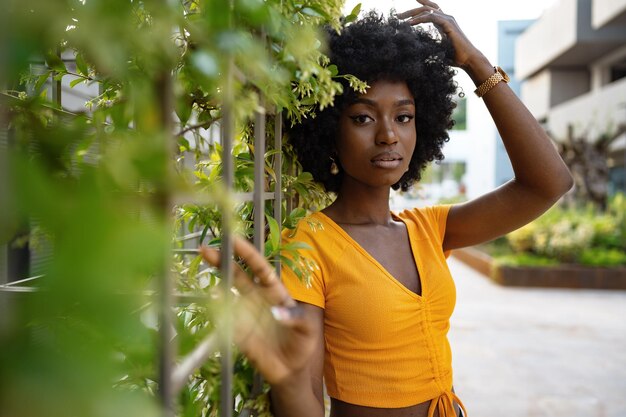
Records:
x=361, y=205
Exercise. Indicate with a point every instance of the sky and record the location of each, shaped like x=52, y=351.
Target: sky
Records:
x=477, y=18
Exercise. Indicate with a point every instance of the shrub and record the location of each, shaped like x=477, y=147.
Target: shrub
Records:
x=525, y=259
x=109, y=186
x=603, y=257
x=573, y=235
x=523, y=239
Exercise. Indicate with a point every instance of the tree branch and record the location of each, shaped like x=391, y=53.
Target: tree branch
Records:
x=205, y=125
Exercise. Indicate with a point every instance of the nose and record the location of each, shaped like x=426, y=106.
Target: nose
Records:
x=386, y=134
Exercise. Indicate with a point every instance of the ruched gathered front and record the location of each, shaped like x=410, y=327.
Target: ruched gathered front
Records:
x=385, y=346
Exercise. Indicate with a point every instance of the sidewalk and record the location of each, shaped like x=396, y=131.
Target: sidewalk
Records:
x=537, y=352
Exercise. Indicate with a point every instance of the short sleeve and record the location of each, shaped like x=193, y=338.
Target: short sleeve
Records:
x=315, y=265
x=431, y=220
x=439, y=215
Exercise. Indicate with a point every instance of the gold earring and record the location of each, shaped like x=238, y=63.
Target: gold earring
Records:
x=334, y=169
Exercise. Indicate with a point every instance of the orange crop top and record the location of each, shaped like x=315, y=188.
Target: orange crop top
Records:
x=385, y=346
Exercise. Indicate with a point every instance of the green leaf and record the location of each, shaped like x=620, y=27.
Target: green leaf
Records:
x=55, y=62
x=305, y=177
x=274, y=237
x=183, y=110
x=244, y=173
x=354, y=14
x=75, y=82
x=296, y=214
x=184, y=144
x=297, y=246
x=300, y=189
x=270, y=171
x=245, y=156
x=311, y=12
x=288, y=262
x=81, y=65
x=204, y=232
x=356, y=10
x=194, y=265
x=308, y=101
x=333, y=70
x=41, y=80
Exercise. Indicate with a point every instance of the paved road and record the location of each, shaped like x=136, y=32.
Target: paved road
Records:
x=522, y=352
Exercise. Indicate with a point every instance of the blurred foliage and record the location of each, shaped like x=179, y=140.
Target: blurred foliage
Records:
x=98, y=186
x=524, y=259
x=572, y=235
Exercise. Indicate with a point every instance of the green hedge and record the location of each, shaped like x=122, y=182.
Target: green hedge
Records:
x=572, y=235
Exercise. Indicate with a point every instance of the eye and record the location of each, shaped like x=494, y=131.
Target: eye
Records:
x=361, y=119
x=405, y=118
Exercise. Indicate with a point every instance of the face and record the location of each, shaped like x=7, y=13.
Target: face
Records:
x=377, y=135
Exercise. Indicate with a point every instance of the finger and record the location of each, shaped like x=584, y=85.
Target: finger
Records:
x=254, y=316
x=270, y=287
x=242, y=281
x=413, y=12
x=438, y=19
x=212, y=256
x=290, y=316
x=259, y=266
x=429, y=3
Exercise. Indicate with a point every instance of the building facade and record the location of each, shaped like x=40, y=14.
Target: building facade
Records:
x=508, y=33
x=573, y=64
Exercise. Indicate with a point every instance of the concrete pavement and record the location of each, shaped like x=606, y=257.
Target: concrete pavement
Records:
x=522, y=352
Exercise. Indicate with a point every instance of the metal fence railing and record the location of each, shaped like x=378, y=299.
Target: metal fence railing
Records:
x=173, y=371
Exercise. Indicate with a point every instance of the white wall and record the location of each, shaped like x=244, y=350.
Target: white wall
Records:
x=593, y=113
x=546, y=39
x=603, y=11
x=535, y=92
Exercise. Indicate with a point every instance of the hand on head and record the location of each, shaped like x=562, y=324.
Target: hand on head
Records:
x=430, y=12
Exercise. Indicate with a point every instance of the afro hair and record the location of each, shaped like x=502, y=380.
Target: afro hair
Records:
x=374, y=48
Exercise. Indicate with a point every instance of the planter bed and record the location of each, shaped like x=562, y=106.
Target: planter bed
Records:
x=561, y=276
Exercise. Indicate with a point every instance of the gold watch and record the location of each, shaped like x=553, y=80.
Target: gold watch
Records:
x=492, y=81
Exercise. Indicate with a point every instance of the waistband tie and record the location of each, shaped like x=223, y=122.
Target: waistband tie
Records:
x=445, y=405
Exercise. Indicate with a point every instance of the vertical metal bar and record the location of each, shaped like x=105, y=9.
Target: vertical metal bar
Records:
x=4, y=190
x=259, y=204
x=167, y=349
x=278, y=164
x=259, y=171
x=4, y=165
x=4, y=263
x=5, y=195
x=56, y=85
x=259, y=179
x=226, y=402
x=290, y=200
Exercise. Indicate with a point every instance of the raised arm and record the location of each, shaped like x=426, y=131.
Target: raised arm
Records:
x=286, y=346
x=541, y=177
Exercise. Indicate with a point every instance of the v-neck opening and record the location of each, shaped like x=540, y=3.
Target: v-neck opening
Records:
x=366, y=254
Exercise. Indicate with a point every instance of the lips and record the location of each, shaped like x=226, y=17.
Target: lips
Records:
x=387, y=160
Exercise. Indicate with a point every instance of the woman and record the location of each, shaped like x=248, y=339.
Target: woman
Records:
x=374, y=321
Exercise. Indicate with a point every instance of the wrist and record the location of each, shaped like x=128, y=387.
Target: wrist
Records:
x=292, y=382
x=478, y=68
x=294, y=396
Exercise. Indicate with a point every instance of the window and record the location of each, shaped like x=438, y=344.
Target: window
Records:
x=618, y=70
x=459, y=115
